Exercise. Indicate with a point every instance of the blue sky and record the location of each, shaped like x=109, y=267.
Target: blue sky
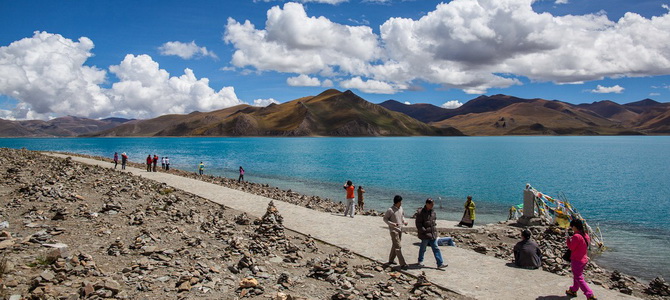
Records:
x=129, y=58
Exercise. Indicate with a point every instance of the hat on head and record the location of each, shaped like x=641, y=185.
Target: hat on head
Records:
x=429, y=200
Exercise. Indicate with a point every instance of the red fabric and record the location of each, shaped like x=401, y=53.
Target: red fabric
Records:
x=149, y=160
x=578, y=244
x=350, y=192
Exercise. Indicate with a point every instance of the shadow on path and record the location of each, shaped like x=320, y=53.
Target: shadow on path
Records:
x=553, y=297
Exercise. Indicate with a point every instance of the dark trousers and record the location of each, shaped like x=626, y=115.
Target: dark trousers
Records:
x=167, y=167
x=148, y=167
x=240, y=178
x=115, y=164
x=155, y=166
x=467, y=224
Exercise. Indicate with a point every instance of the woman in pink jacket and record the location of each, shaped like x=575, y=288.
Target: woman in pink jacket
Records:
x=578, y=243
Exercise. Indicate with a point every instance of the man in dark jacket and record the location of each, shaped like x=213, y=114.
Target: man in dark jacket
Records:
x=426, y=226
x=526, y=252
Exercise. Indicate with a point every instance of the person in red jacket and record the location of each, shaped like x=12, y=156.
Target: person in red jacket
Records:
x=155, y=161
x=578, y=244
x=349, y=187
x=149, y=162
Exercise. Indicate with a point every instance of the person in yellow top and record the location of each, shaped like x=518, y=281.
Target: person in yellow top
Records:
x=201, y=168
x=469, y=213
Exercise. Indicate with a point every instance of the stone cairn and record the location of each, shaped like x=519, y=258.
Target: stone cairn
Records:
x=659, y=287
x=269, y=234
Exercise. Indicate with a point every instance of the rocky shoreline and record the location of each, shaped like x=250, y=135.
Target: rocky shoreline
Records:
x=210, y=236
x=75, y=231
x=494, y=240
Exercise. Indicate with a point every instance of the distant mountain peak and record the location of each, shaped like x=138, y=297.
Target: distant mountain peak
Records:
x=330, y=92
x=645, y=102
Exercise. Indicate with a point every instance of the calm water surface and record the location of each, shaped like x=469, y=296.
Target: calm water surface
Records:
x=620, y=183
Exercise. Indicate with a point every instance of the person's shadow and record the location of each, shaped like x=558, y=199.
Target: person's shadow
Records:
x=553, y=297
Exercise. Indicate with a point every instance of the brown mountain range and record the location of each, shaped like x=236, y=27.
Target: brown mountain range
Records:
x=331, y=113
x=61, y=127
x=508, y=115
x=335, y=113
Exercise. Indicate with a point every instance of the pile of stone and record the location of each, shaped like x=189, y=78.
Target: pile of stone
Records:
x=423, y=289
x=622, y=283
x=242, y=219
x=269, y=234
x=658, y=287
x=329, y=269
x=60, y=213
x=111, y=207
x=117, y=248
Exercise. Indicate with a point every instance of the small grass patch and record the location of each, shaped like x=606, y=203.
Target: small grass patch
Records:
x=165, y=191
x=41, y=261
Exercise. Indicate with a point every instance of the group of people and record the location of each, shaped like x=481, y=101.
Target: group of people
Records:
x=124, y=160
x=426, y=226
x=152, y=162
x=351, y=207
x=527, y=253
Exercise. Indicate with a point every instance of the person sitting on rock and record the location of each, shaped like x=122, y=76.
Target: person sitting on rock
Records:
x=527, y=253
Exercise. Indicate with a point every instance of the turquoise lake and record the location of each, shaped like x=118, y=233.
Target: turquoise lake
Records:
x=621, y=183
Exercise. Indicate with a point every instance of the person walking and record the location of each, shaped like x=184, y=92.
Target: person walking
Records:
x=149, y=161
x=469, y=213
x=201, y=168
x=361, y=202
x=426, y=222
x=527, y=253
x=116, y=159
x=349, y=208
x=167, y=163
x=124, y=160
x=578, y=244
x=395, y=219
x=239, y=179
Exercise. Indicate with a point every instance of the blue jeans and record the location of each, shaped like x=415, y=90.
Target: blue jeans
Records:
x=436, y=250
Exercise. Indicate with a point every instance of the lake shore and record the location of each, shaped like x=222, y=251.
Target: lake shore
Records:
x=79, y=231
x=493, y=240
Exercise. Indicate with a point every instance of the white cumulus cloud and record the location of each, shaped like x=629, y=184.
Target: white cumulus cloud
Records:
x=293, y=42
x=608, y=89
x=264, y=102
x=147, y=90
x=47, y=75
x=452, y=104
x=185, y=50
x=371, y=86
x=472, y=45
x=303, y=80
